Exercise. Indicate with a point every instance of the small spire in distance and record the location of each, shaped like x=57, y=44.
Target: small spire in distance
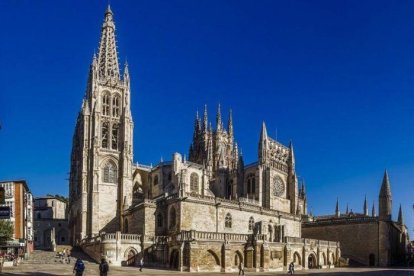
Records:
x=400, y=216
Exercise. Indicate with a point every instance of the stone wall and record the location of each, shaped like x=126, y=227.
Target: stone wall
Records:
x=358, y=240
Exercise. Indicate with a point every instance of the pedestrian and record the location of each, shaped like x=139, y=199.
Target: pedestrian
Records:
x=241, y=268
x=291, y=268
x=79, y=267
x=103, y=267
x=68, y=255
x=141, y=264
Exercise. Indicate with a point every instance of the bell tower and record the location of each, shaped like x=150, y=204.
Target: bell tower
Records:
x=102, y=151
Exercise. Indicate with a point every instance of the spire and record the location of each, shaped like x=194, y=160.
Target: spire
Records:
x=218, y=119
x=385, y=187
x=373, y=213
x=230, y=122
x=205, y=119
x=263, y=133
x=303, y=190
x=108, y=57
x=365, y=206
x=291, y=154
x=400, y=216
x=347, y=209
x=385, y=198
x=337, y=212
x=196, y=127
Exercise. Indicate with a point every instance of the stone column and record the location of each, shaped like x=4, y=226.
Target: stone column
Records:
x=226, y=258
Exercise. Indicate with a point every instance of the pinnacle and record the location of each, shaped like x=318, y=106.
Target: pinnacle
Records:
x=385, y=187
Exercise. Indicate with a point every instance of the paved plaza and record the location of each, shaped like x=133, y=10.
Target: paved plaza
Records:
x=46, y=263
x=92, y=269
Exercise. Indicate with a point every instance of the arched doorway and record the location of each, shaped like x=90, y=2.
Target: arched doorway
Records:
x=371, y=259
x=238, y=258
x=296, y=259
x=312, y=261
x=174, y=259
x=131, y=257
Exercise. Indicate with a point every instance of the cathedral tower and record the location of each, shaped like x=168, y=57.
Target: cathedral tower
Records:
x=101, y=160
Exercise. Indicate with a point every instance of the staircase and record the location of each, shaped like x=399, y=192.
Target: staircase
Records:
x=50, y=257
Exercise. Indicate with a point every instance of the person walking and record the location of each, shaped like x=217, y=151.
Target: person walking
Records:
x=79, y=267
x=103, y=267
x=141, y=264
x=241, y=268
x=291, y=268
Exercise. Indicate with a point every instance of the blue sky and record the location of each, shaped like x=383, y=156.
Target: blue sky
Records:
x=335, y=77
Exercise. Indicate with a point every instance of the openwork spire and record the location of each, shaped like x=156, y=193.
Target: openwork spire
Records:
x=108, y=57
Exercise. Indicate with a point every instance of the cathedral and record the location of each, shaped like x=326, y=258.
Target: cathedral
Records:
x=208, y=213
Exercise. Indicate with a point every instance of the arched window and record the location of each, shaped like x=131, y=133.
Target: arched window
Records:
x=115, y=106
x=110, y=173
x=159, y=220
x=194, y=182
x=126, y=225
x=251, y=184
x=105, y=105
x=251, y=224
x=105, y=134
x=114, y=137
x=173, y=218
x=227, y=221
x=156, y=180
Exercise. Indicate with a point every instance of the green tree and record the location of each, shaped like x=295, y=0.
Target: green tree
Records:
x=6, y=230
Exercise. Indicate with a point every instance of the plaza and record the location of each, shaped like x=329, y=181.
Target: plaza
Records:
x=92, y=269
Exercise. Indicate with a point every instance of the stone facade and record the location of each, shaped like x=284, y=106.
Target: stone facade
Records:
x=208, y=213
x=50, y=222
x=365, y=238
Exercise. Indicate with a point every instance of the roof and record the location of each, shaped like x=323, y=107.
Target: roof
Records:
x=18, y=181
x=49, y=197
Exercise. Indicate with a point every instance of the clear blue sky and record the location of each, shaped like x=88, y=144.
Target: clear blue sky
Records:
x=335, y=77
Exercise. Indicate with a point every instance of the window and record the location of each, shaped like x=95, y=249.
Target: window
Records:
x=251, y=184
x=115, y=106
x=227, y=221
x=105, y=105
x=156, y=180
x=39, y=216
x=53, y=203
x=159, y=220
x=110, y=173
x=114, y=137
x=173, y=218
x=194, y=182
x=126, y=225
x=105, y=134
x=251, y=224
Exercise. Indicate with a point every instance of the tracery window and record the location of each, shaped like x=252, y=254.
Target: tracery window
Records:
x=115, y=106
x=156, y=180
x=110, y=173
x=105, y=134
x=228, y=221
x=105, y=105
x=251, y=184
x=114, y=138
x=194, y=182
x=251, y=224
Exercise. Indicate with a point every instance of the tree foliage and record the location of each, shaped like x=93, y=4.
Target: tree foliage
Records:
x=6, y=230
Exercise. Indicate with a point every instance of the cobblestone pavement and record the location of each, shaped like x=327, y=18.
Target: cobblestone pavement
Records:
x=45, y=263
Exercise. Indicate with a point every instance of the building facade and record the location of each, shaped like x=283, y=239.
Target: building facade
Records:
x=50, y=222
x=208, y=213
x=19, y=202
x=366, y=238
